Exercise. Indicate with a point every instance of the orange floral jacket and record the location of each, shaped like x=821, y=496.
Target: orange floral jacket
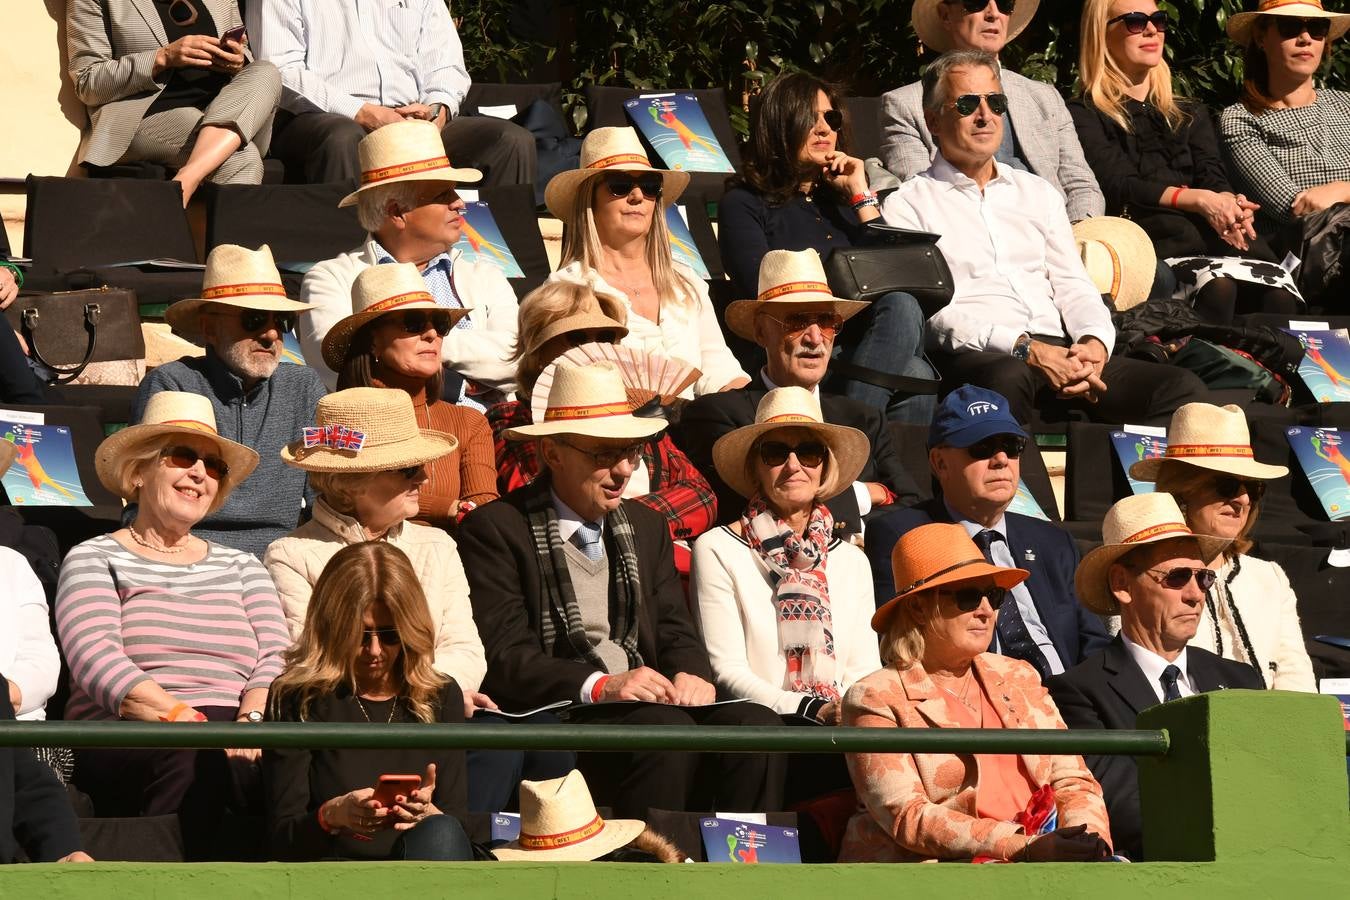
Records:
x=920, y=807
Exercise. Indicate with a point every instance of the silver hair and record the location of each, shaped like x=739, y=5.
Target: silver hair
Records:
x=935, y=76
x=372, y=204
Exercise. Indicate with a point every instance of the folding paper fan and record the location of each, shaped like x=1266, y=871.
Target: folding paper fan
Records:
x=645, y=375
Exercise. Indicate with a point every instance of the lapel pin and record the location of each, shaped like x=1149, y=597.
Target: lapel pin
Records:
x=1029, y=555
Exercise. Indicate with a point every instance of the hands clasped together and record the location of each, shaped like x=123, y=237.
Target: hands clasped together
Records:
x=643, y=683
x=1074, y=372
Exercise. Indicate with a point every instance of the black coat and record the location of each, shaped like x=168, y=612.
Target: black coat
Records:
x=35, y=812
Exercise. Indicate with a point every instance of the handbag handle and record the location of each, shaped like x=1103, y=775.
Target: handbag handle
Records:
x=63, y=375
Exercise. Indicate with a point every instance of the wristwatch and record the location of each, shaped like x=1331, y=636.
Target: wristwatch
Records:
x=253, y=718
x=436, y=111
x=1022, y=348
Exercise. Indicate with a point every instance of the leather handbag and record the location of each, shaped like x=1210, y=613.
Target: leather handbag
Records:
x=68, y=330
x=893, y=259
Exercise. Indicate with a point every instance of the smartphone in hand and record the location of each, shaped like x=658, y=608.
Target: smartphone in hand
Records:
x=392, y=786
x=237, y=36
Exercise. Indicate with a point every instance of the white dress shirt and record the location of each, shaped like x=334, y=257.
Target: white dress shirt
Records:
x=1012, y=254
x=1152, y=665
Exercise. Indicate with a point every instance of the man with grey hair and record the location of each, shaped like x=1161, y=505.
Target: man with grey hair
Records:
x=407, y=203
x=1025, y=319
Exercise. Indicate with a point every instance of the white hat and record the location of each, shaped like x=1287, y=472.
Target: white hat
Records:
x=1119, y=258
x=392, y=287
x=589, y=400
x=1240, y=25
x=608, y=150
x=367, y=429
x=410, y=150
x=234, y=276
x=558, y=821
x=928, y=26
x=1210, y=437
x=788, y=279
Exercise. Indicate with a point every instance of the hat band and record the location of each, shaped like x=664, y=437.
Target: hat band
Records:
x=789, y=417
x=238, y=290
x=562, y=838
x=1154, y=530
x=375, y=176
x=928, y=578
x=620, y=159
x=1115, y=269
x=1242, y=451
x=399, y=300
x=794, y=287
x=594, y=411
x=187, y=423
x=1268, y=5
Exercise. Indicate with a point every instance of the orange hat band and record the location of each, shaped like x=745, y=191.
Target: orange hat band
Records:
x=620, y=159
x=1181, y=451
x=789, y=417
x=1178, y=528
x=562, y=838
x=399, y=300
x=594, y=411
x=795, y=287
x=1115, y=269
x=375, y=176
x=220, y=291
x=188, y=423
x=1268, y=5
x=928, y=579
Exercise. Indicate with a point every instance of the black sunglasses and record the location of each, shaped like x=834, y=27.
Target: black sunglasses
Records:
x=834, y=119
x=1290, y=27
x=416, y=321
x=1178, y=578
x=1011, y=444
x=410, y=472
x=967, y=599
x=387, y=636
x=974, y=6
x=1136, y=22
x=795, y=323
x=968, y=103
x=622, y=185
x=255, y=320
x=592, y=336
x=1227, y=488
x=185, y=458
x=809, y=453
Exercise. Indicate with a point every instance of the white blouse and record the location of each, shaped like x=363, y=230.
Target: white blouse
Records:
x=28, y=654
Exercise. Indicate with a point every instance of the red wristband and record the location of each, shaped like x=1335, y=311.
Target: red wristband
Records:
x=858, y=198
x=1176, y=195
x=598, y=687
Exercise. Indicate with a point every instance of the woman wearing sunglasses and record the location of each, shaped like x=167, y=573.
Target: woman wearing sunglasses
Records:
x=393, y=339
x=1251, y=612
x=366, y=654
x=158, y=625
x=615, y=240
x=1157, y=160
x=942, y=806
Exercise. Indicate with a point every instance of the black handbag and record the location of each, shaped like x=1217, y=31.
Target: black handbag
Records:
x=68, y=330
x=892, y=259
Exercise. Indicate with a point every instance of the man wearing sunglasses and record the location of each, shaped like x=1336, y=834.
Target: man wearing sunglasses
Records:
x=974, y=451
x=1150, y=571
x=1040, y=136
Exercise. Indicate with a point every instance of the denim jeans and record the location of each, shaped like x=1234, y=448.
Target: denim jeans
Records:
x=888, y=336
x=440, y=838
x=495, y=775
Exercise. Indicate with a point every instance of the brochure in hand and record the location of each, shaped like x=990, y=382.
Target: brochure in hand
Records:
x=1322, y=457
x=682, y=245
x=481, y=240
x=677, y=129
x=1135, y=443
x=524, y=714
x=44, y=472
x=1025, y=504
x=734, y=841
x=581, y=711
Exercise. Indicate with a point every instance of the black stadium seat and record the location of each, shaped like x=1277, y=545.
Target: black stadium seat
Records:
x=864, y=125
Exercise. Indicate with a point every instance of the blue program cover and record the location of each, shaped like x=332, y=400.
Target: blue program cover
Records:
x=1325, y=465
x=678, y=131
x=43, y=473
x=505, y=826
x=732, y=841
x=290, y=349
x=682, y=245
x=1025, y=504
x=1132, y=447
x=1325, y=367
x=482, y=241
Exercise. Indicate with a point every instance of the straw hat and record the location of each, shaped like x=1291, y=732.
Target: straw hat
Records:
x=592, y=401
x=558, y=822
x=235, y=276
x=410, y=150
x=928, y=26
x=608, y=150
x=1133, y=522
x=377, y=290
x=789, y=280
x=367, y=429
x=1211, y=437
x=1240, y=25
x=586, y=319
x=168, y=413
x=789, y=407
x=936, y=555
x=1119, y=258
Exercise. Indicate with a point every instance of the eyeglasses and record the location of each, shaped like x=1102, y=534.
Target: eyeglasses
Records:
x=967, y=599
x=444, y=198
x=388, y=636
x=186, y=458
x=256, y=320
x=1010, y=444
x=828, y=322
x=592, y=336
x=1137, y=22
x=834, y=119
x=1290, y=27
x=974, y=6
x=966, y=104
x=410, y=473
x=1228, y=488
x=182, y=12
x=1178, y=578
x=416, y=321
x=809, y=453
x=609, y=457
x=622, y=185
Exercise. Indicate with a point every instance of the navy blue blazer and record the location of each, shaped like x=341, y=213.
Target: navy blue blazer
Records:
x=1045, y=550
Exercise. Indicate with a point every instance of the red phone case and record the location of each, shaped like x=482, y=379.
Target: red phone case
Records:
x=391, y=786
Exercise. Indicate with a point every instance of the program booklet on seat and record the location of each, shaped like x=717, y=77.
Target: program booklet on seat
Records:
x=481, y=239
x=43, y=472
x=677, y=129
x=1135, y=443
x=1325, y=465
x=1325, y=367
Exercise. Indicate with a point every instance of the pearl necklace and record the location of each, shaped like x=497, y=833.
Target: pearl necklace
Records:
x=149, y=546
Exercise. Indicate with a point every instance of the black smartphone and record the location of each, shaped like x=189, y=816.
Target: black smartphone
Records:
x=236, y=36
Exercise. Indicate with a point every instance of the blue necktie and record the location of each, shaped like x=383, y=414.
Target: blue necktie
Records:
x=1012, y=631
x=587, y=540
x=1169, y=678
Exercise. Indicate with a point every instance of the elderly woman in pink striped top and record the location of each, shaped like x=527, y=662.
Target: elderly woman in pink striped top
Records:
x=159, y=625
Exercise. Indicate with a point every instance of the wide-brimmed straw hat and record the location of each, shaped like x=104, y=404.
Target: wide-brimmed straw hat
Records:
x=170, y=413
x=608, y=150
x=582, y=320
x=591, y=401
x=558, y=822
x=1240, y=25
x=234, y=276
x=1119, y=258
x=792, y=407
x=1210, y=437
x=928, y=26
x=789, y=281
x=366, y=429
x=410, y=150
x=936, y=555
x=1134, y=522
x=392, y=287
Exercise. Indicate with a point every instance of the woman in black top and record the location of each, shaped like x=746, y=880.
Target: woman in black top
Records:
x=1157, y=161
x=365, y=655
x=801, y=190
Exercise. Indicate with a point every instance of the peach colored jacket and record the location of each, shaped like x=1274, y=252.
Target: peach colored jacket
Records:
x=919, y=807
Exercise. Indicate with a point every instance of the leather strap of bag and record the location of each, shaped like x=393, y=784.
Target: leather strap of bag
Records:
x=69, y=373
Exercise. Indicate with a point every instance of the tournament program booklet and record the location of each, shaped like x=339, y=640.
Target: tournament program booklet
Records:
x=44, y=471
x=1325, y=367
x=481, y=239
x=523, y=714
x=1025, y=504
x=682, y=245
x=677, y=129
x=734, y=841
x=1135, y=443
x=1322, y=457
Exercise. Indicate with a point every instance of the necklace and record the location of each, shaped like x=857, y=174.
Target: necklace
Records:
x=393, y=708
x=149, y=546
x=965, y=692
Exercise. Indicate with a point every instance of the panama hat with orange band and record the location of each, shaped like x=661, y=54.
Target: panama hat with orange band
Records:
x=406, y=151
x=1209, y=437
x=789, y=281
x=377, y=291
x=558, y=822
x=234, y=276
x=1240, y=24
x=610, y=149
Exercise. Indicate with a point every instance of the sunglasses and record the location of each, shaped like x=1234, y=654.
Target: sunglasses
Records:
x=410, y=472
x=834, y=119
x=966, y=104
x=186, y=458
x=809, y=453
x=416, y=321
x=967, y=599
x=256, y=320
x=974, y=6
x=1010, y=444
x=794, y=324
x=388, y=636
x=610, y=456
x=592, y=336
x=1290, y=27
x=1178, y=578
x=1228, y=488
x=1137, y=22
x=622, y=185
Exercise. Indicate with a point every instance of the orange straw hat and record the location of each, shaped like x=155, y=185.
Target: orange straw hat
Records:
x=1209, y=437
x=234, y=276
x=392, y=287
x=608, y=150
x=1240, y=25
x=789, y=281
x=558, y=822
x=410, y=150
x=937, y=555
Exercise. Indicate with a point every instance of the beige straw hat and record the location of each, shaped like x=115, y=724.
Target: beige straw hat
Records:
x=1210, y=437
x=168, y=413
x=1240, y=25
x=1133, y=522
x=583, y=320
x=367, y=429
x=410, y=150
x=558, y=822
x=789, y=280
x=608, y=150
x=377, y=290
x=928, y=25
x=592, y=401
x=1119, y=258
x=235, y=276
x=789, y=407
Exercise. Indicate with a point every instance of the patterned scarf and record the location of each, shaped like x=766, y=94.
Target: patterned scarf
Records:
x=801, y=594
x=558, y=604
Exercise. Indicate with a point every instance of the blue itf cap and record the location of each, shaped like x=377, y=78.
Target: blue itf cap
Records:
x=970, y=414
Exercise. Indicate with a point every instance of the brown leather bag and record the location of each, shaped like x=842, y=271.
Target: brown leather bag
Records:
x=68, y=330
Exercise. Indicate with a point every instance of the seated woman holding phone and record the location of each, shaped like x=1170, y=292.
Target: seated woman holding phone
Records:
x=365, y=655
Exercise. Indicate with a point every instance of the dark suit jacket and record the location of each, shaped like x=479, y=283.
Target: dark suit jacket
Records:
x=1047, y=551
x=709, y=417
x=35, y=812
x=1108, y=690
x=505, y=583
